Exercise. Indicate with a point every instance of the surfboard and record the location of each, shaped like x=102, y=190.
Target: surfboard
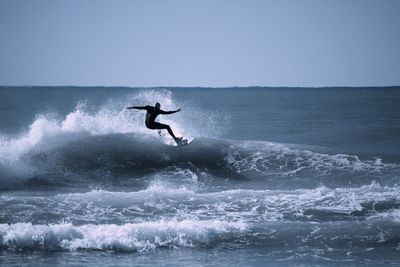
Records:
x=184, y=142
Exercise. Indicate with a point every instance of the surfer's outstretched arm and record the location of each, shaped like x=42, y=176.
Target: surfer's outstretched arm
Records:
x=169, y=112
x=137, y=107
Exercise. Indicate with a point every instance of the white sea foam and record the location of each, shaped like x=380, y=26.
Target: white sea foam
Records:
x=109, y=118
x=268, y=157
x=126, y=237
x=238, y=204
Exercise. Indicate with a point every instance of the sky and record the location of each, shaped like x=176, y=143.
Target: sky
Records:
x=210, y=43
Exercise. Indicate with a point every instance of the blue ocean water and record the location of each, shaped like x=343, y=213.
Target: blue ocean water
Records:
x=279, y=176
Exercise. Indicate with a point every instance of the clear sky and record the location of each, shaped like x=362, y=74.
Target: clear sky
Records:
x=200, y=43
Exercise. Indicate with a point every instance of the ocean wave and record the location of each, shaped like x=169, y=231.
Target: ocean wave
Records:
x=112, y=117
x=261, y=157
x=163, y=201
x=113, y=158
x=127, y=237
x=317, y=205
x=112, y=146
x=316, y=238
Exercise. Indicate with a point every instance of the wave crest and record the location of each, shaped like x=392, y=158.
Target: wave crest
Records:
x=128, y=237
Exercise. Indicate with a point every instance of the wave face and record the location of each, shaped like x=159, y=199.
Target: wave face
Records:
x=89, y=179
x=86, y=160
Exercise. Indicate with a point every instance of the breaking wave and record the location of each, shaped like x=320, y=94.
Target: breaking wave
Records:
x=162, y=201
x=109, y=158
x=111, y=146
x=128, y=237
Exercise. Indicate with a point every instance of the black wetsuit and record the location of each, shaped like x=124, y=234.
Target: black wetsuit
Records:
x=151, y=116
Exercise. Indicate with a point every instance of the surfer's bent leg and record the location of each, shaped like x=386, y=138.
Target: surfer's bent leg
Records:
x=156, y=125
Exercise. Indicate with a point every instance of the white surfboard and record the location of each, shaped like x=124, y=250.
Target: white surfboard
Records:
x=169, y=141
x=184, y=142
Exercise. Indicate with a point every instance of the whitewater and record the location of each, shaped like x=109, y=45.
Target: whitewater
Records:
x=282, y=176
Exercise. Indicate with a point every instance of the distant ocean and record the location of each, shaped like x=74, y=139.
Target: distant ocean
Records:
x=279, y=176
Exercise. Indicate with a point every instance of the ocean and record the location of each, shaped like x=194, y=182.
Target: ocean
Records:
x=274, y=176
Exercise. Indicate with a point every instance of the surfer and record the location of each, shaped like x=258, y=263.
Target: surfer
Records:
x=151, y=115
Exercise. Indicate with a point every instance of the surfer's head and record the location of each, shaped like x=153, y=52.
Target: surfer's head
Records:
x=158, y=106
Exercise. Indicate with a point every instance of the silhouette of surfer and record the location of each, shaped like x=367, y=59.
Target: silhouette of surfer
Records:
x=151, y=115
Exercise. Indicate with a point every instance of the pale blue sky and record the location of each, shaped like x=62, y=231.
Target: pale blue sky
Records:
x=200, y=43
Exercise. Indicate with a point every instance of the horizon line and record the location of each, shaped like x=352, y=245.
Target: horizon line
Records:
x=205, y=87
